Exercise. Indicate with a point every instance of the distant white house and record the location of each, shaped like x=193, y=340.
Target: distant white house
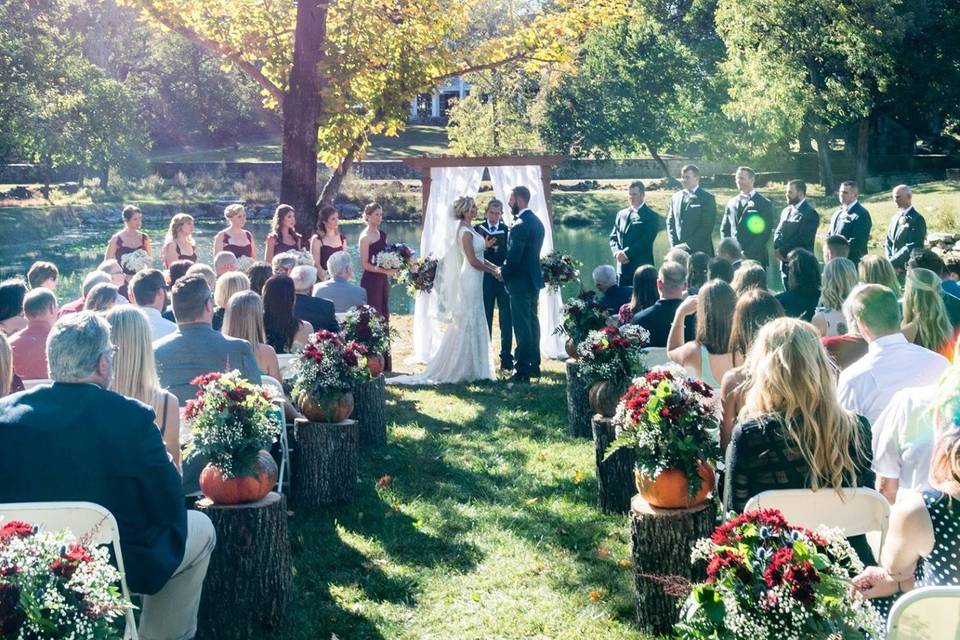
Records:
x=431, y=106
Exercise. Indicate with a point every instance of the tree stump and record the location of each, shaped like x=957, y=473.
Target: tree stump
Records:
x=326, y=462
x=578, y=405
x=370, y=412
x=615, y=483
x=662, y=540
x=249, y=582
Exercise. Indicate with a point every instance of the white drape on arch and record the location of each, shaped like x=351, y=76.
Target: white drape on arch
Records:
x=439, y=231
x=550, y=310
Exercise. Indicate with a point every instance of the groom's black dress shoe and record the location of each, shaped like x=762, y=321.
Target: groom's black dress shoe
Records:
x=506, y=364
x=519, y=377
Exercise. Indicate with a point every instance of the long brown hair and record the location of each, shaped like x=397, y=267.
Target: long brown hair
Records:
x=715, y=304
x=754, y=309
x=279, y=296
x=278, y=215
x=644, y=288
x=326, y=212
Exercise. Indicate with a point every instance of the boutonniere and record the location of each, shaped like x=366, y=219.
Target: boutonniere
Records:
x=750, y=204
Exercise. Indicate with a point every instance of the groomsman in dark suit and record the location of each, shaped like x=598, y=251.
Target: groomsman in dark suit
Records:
x=748, y=218
x=907, y=230
x=634, y=231
x=798, y=225
x=496, y=233
x=852, y=221
x=692, y=213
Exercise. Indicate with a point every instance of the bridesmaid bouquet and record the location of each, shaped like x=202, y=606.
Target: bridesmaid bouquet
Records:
x=303, y=258
x=559, y=269
x=394, y=256
x=136, y=260
x=420, y=275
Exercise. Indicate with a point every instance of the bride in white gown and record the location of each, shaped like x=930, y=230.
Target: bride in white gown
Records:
x=464, y=351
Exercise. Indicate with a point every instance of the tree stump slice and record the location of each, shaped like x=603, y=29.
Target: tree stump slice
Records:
x=578, y=404
x=615, y=483
x=249, y=582
x=662, y=540
x=370, y=412
x=326, y=462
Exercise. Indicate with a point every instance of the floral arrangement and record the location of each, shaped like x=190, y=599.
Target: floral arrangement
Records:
x=767, y=580
x=559, y=269
x=394, y=256
x=328, y=363
x=671, y=421
x=245, y=262
x=136, y=261
x=581, y=315
x=302, y=257
x=613, y=354
x=232, y=420
x=52, y=587
x=365, y=326
x=420, y=275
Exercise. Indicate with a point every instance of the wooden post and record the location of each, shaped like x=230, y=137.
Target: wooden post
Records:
x=326, y=462
x=249, y=582
x=662, y=540
x=615, y=483
x=578, y=405
x=370, y=412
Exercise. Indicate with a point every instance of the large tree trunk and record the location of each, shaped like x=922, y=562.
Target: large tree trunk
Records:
x=331, y=188
x=826, y=168
x=671, y=180
x=370, y=412
x=804, y=139
x=863, y=151
x=301, y=115
x=326, y=459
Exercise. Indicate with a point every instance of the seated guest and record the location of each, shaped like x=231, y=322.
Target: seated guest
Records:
x=876, y=269
x=613, y=296
x=792, y=432
x=697, y=266
x=729, y=250
x=835, y=247
x=839, y=279
x=949, y=288
x=643, y=293
x=89, y=282
x=319, y=312
x=259, y=273
x=177, y=270
x=891, y=363
x=720, y=269
x=284, y=331
x=707, y=356
x=244, y=320
x=658, y=317
x=102, y=298
x=113, y=269
x=75, y=440
x=225, y=262
x=847, y=348
x=925, y=321
x=43, y=274
x=29, y=345
x=803, y=285
x=339, y=289
x=923, y=529
x=12, y=292
x=195, y=348
x=951, y=265
x=149, y=292
x=283, y=263
x=9, y=381
x=750, y=275
x=227, y=285
x=135, y=373
x=678, y=254
x=206, y=272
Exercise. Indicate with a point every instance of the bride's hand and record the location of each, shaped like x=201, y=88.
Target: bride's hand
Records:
x=497, y=274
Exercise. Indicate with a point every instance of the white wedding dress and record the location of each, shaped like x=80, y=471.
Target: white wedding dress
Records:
x=464, y=351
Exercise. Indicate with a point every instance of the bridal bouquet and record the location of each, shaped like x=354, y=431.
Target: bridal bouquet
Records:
x=394, y=256
x=420, y=275
x=767, y=580
x=136, y=261
x=559, y=269
x=53, y=587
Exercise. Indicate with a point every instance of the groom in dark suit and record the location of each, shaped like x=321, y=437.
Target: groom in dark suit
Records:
x=523, y=277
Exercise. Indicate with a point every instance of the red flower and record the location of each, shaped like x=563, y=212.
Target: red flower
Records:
x=727, y=560
x=238, y=394
x=67, y=564
x=774, y=574
x=15, y=528
x=205, y=379
x=802, y=579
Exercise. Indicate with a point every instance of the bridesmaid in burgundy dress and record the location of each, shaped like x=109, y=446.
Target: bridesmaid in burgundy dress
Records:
x=235, y=238
x=129, y=240
x=375, y=280
x=179, y=244
x=327, y=240
x=283, y=234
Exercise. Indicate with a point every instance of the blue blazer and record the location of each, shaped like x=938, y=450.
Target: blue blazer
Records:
x=77, y=441
x=521, y=271
x=319, y=312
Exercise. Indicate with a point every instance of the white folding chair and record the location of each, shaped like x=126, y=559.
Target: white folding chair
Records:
x=87, y=521
x=36, y=382
x=341, y=316
x=655, y=356
x=276, y=387
x=286, y=364
x=855, y=511
x=927, y=613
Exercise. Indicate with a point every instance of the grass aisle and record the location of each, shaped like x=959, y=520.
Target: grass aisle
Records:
x=478, y=520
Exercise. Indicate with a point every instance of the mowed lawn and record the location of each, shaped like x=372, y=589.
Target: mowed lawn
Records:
x=477, y=520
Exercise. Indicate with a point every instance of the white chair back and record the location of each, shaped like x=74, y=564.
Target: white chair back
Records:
x=855, y=511
x=273, y=385
x=36, y=382
x=341, y=316
x=928, y=613
x=286, y=364
x=656, y=356
x=87, y=521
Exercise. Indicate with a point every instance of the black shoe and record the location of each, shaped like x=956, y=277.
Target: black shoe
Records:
x=506, y=364
x=535, y=373
x=519, y=377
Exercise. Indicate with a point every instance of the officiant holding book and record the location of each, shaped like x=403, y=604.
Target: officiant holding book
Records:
x=495, y=232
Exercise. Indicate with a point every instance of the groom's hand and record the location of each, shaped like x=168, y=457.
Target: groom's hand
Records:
x=498, y=275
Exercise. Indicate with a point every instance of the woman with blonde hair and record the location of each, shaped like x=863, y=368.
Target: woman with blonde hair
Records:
x=102, y=298
x=228, y=284
x=135, y=373
x=179, y=244
x=876, y=269
x=925, y=321
x=707, y=356
x=283, y=234
x=839, y=279
x=244, y=319
x=235, y=238
x=750, y=275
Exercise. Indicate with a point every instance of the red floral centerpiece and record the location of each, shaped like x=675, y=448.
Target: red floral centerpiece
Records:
x=559, y=269
x=364, y=325
x=671, y=422
x=234, y=423
x=581, y=315
x=324, y=374
x=767, y=580
x=52, y=587
x=609, y=359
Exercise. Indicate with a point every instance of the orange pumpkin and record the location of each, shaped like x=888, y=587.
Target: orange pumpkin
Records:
x=243, y=488
x=571, y=348
x=604, y=397
x=672, y=491
x=333, y=407
x=375, y=364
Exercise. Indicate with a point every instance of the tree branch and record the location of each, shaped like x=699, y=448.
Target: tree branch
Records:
x=486, y=66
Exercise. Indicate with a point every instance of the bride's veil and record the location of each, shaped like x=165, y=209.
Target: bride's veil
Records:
x=446, y=285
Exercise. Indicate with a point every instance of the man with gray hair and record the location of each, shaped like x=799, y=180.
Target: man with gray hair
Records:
x=657, y=318
x=339, y=289
x=225, y=262
x=319, y=312
x=77, y=441
x=89, y=282
x=29, y=345
x=283, y=264
x=907, y=230
x=613, y=296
